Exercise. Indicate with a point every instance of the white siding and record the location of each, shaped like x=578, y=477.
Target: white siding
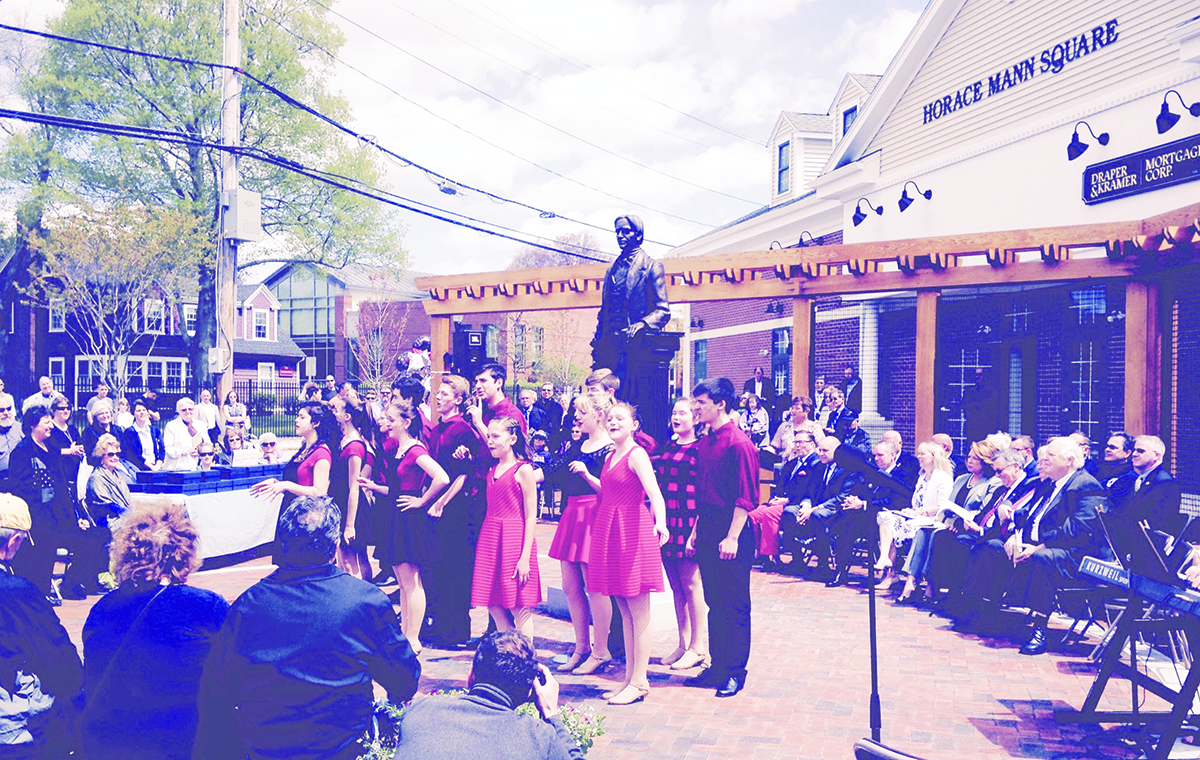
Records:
x=989, y=36
x=816, y=153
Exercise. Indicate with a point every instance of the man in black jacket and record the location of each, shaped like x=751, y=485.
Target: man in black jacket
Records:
x=857, y=519
x=1154, y=495
x=40, y=672
x=827, y=494
x=290, y=671
x=552, y=409
x=484, y=725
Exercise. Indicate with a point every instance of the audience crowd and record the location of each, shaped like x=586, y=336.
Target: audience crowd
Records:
x=447, y=512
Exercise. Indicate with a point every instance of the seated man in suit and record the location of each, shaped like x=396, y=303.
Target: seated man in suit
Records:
x=948, y=557
x=856, y=520
x=838, y=424
x=827, y=493
x=1154, y=494
x=1053, y=535
x=905, y=462
x=787, y=492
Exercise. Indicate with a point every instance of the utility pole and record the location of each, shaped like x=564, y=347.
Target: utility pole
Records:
x=231, y=137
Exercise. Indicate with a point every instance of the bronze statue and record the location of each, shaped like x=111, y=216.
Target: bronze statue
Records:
x=634, y=300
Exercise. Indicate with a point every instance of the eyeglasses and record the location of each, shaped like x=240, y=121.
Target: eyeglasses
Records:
x=207, y=454
x=6, y=408
x=1109, y=447
x=62, y=408
x=1141, y=451
x=268, y=444
x=112, y=453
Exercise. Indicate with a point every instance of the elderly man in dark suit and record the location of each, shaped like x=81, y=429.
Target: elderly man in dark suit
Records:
x=778, y=516
x=888, y=488
x=1053, y=534
x=828, y=490
x=634, y=299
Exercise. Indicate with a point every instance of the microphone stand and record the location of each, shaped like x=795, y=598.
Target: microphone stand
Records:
x=876, y=712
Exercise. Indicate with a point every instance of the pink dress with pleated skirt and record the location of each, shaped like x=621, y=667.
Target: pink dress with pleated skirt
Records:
x=625, y=558
x=500, y=539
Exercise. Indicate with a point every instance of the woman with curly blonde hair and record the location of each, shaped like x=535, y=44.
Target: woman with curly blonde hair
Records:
x=145, y=644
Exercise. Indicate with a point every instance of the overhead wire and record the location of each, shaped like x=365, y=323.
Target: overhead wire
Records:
x=526, y=114
x=532, y=75
x=466, y=131
x=563, y=56
x=363, y=189
x=295, y=103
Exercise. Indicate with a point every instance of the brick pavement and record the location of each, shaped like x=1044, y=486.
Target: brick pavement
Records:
x=944, y=695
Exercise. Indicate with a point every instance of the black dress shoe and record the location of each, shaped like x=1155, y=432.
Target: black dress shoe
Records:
x=730, y=686
x=705, y=679
x=75, y=593
x=837, y=580
x=1036, y=643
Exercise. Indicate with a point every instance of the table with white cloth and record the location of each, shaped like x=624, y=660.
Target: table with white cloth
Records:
x=228, y=521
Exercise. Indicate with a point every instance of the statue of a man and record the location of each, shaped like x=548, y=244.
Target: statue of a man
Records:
x=634, y=299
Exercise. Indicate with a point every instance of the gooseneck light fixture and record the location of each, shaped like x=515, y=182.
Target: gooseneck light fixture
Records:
x=1077, y=146
x=811, y=240
x=1168, y=118
x=906, y=200
x=860, y=215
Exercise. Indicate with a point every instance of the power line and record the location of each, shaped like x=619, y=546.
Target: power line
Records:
x=526, y=114
x=282, y=95
x=180, y=138
x=464, y=130
x=549, y=83
x=582, y=66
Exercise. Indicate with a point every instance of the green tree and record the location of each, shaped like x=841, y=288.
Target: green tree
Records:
x=118, y=276
x=304, y=219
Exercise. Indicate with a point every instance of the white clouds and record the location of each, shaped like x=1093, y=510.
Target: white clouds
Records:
x=734, y=12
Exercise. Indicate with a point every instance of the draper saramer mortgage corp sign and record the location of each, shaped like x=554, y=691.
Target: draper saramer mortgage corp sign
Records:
x=1141, y=172
x=1051, y=60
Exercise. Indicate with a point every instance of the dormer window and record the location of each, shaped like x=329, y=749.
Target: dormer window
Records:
x=848, y=117
x=785, y=168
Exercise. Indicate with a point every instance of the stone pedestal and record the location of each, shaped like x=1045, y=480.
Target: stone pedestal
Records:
x=648, y=367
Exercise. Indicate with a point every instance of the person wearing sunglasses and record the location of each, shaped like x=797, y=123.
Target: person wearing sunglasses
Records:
x=270, y=448
x=207, y=455
x=10, y=433
x=66, y=437
x=107, y=488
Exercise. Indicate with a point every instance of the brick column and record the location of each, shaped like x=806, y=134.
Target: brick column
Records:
x=802, y=344
x=1143, y=358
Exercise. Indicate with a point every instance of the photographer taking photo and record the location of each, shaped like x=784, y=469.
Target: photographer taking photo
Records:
x=484, y=724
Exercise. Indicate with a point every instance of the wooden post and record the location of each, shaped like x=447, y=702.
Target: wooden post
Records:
x=439, y=346
x=925, y=400
x=1143, y=358
x=802, y=343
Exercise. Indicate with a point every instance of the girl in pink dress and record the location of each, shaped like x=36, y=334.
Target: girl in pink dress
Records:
x=572, y=543
x=506, y=579
x=626, y=558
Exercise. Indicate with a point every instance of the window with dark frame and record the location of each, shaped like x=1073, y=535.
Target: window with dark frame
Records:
x=785, y=168
x=848, y=117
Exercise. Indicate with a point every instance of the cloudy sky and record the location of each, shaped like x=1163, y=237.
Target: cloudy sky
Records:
x=589, y=109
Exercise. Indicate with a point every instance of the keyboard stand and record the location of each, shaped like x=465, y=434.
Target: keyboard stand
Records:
x=1128, y=629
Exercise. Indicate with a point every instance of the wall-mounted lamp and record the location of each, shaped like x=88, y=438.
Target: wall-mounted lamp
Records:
x=906, y=201
x=774, y=307
x=774, y=244
x=811, y=239
x=1167, y=118
x=1077, y=146
x=697, y=323
x=860, y=215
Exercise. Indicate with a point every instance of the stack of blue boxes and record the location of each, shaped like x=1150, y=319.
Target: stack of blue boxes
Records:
x=195, y=482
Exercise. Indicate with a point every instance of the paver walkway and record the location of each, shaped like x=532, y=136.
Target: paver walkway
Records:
x=944, y=695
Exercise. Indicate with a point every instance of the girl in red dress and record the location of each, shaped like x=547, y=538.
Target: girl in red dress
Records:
x=626, y=559
x=572, y=542
x=412, y=539
x=355, y=458
x=506, y=579
x=306, y=473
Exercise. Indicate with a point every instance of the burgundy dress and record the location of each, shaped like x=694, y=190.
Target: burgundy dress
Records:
x=500, y=540
x=676, y=471
x=625, y=559
x=340, y=489
x=573, y=536
x=412, y=538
